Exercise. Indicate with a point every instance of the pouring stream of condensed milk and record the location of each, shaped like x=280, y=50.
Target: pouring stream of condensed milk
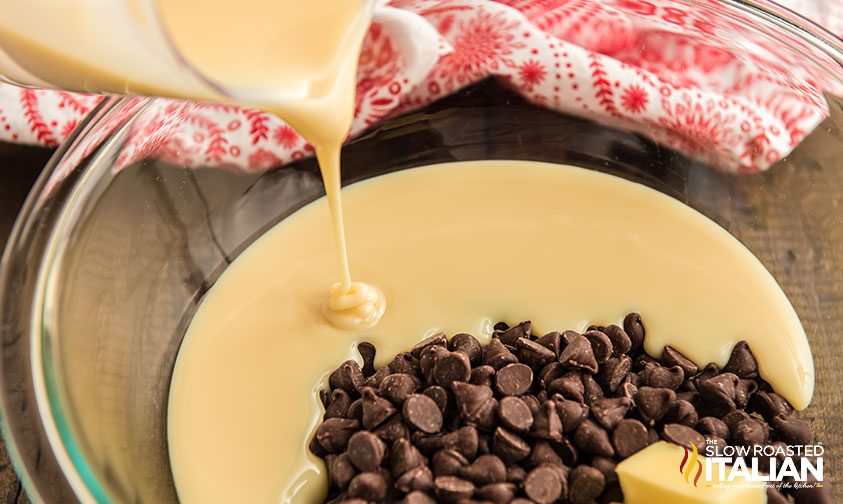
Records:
x=312, y=58
x=295, y=59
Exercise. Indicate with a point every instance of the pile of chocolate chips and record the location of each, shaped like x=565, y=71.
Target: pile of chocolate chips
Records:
x=534, y=419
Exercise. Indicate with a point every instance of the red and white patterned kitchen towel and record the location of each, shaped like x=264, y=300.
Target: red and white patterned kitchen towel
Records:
x=652, y=66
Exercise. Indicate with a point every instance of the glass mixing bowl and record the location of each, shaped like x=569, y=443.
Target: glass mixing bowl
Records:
x=106, y=267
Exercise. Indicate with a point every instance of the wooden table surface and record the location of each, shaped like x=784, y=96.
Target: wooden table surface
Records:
x=19, y=167
x=796, y=230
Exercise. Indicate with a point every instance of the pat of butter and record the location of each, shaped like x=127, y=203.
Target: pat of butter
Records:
x=653, y=476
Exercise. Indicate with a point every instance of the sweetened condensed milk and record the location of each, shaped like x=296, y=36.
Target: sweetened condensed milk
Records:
x=454, y=247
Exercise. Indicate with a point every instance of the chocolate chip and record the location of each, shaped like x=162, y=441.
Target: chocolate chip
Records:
x=482, y=375
x=367, y=354
x=392, y=430
x=550, y=372
x=608, y=467
x=404, y=456
x=422, y=413
x=484, y=470
x=426, y=443
x=508, y=446
x=484, y=417
x=418, y=497
x=553, y=342
x=720, y=389
x=750, y=432
x=452, y=489
x=709, y=371
x=510, y=336
x=792, y=431
x=542, y=453
x=682, y=412
x=742, y=362
x=467, y=344
x=484, y=444
x=333, y=434
x=514, y=379
x=546, y=423
x=567, y=451
x=629, y=437
x=396, y=387
x=534, y=354
x=439, y=396
x=338, y=406
x=515, y=414
x=447, y=462
x=591, y=390
x=621, y=344
x=347, y=376
x=371, y=486
x=419, y=478
x=568, y=386
x=532, y=403
x=601, y=345
x=366, y=451
x=713, y=427
x=635, y=330
x=744, y=391
x=613, y=372
x=586, y=484
x=355, y=410
x=470, y=398
x=770, y=404
x=544, y=485
x=341, y=471
x=672, y=357
x=429, y=356
x=658, y=376
x=653, y=403
x=628, y=390
x=438, y=339
x=609, y=412
x=652, y=435
x=515, y=474
x=578, y=355
x=688, y=396
x=376, y=409
x=569, y=336
x=465, y=440
x=641, y=362
x=571, y=413
x=451, y=367
x=733, y=418
x=593, y=439
x=497, y=493
x=682, y=435
x=497, y=355
x=403, y=363
x=374, y=381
